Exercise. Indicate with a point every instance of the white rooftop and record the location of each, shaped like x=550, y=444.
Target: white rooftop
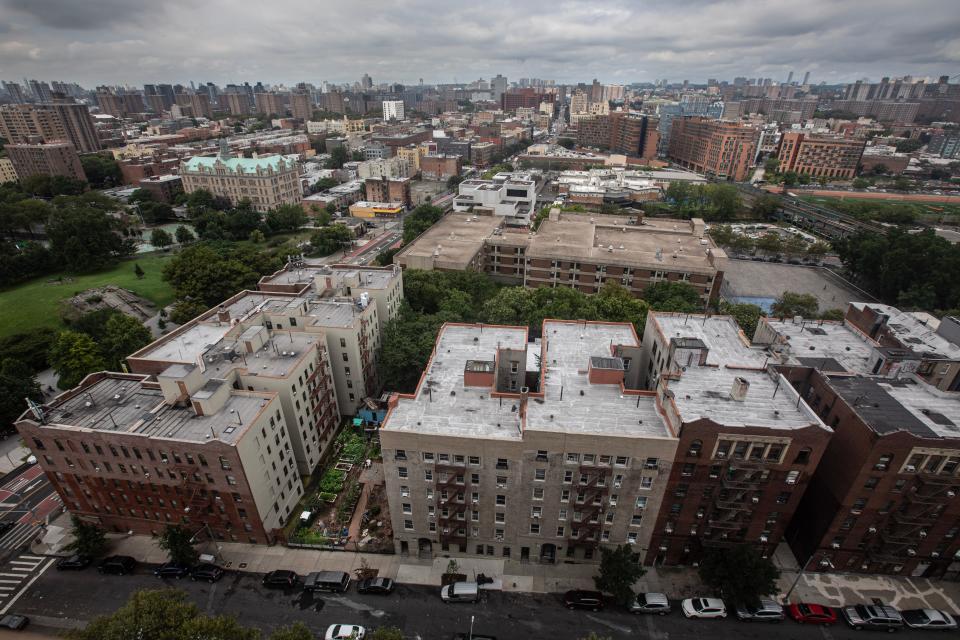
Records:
x=721, y=334
x=811, y=340
x=912, y=333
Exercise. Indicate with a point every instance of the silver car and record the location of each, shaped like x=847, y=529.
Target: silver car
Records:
x=928, y=619
x=650, y=603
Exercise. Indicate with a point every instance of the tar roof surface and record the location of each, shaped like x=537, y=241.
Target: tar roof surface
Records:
x=826, y=340
x=721, y=334
x=443, y=406
x=602, y=409
x=142, y=411
x=704, y=392
x=901, y=405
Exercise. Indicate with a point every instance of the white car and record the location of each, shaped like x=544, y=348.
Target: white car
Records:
x=703, y=608
x=928, y=619
x=345, y=632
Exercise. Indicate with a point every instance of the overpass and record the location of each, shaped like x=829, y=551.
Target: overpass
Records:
x=824, y=221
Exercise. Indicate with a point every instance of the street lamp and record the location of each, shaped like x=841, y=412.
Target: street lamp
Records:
x=825, y=562
x=471, y=627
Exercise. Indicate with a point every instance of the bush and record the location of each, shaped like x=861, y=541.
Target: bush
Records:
x=332, y=481
x=354, y=446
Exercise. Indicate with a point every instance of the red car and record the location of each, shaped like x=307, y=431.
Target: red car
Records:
x=809, y=613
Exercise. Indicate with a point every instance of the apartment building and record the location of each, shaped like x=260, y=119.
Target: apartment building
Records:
x=720, y=149
x=7, y=172
x=301, y=106
x=573, y=250
x=239, y=104
x=134, y=453
x=390, y=168
x=274, y=104
x=510, y=195
x=267, y=182
x=45, y=159
x=51, y=122
x=389, y=190
x=883, y=499
x=748, y=446
x=631, y=134
x=524, y=450
x=393, y=110
x=163, y=188
x=820, y=155
x=440, y=166
x=910, y=344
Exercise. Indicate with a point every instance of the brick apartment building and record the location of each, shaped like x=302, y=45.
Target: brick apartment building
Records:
x=163, y=188
x=721, y=149
x=45, y=159
x=525, y=97
x=389, y=190
x=883, y=499
x=619, y=132
x=50, y=122
x=747, y=448
x=543, y=459
x=437, y=166
x=301, y=107
x=820, y=155
x=239, y=104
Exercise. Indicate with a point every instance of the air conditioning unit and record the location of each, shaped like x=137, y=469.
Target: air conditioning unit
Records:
x=536, y=517
x=865, y=566
x=721, y=454
x=872, y=530
x=951, y=494
x=668, y=530
x=834, y=545
x=856, y=512
x=663, y=547
x=699, y=514
x=693, y=531
x=910, y=468
x=764, y=539
x=911, y=552
x=754, y=499
x=934, y=554
x=923, y=534
x=824, y=563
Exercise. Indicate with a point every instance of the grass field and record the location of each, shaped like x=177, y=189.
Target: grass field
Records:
x=37, y=303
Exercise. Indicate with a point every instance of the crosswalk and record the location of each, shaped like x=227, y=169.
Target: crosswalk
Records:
x=19, y=536
x=17, y=574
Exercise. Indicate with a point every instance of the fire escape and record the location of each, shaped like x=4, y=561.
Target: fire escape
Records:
x=322, y=398
x=741, y=486
x=451, y=490
x=200, y=505
x=587, y=522
x=905, y=529
x=368, y=363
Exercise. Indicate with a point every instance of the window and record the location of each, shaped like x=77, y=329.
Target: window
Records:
x=792, y=477
x=400, y=454
x=646, y=482
x=651, y=463
x=402, y=472
x=783, y=497
x=871, y=484
x=562, y=514
x=541, y=456
x=538, y=493
x=408, y=525
x=641, y=502
x=613, y=499
x=427, y=456
x=428, y=475
x=561, y=530
x=502, y=463
x=499, y=518
x=803, y=456
x=632, y=537
x=573, y=457
x=501, y=481
x=404, y=491
x=501, y=500
x=536, y=512
x=475, y=461
x=406, y=507
x=623, y=461
x=540, y=474
x=687, y=469
x=534, y=528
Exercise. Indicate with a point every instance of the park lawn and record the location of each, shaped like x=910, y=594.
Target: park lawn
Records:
x=37, y=303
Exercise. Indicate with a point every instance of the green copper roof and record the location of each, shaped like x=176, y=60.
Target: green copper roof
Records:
x=240, y=165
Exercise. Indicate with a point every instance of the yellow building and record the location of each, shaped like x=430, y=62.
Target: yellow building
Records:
x=7, y=172
x=412, y=154
x=365, y=209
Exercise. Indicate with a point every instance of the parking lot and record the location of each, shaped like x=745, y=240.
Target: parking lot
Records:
x=60, y=600
x=746, y=278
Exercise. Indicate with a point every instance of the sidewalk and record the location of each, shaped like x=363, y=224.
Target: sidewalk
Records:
x=677, y=582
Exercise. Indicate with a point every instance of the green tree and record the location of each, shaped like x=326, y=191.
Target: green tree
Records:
x=794, y=246
x=141, y=195
x=177, y=541
x=818, y=250
x=88, y=538
x=84, y=238
x=186, y=310
x=256, y=236
x=327, y=240
x=203, y=274
x=162, y=614
x=324, y=183
x=769, y=243
x=739, y=574
x=860, y=183
x=832, y=314
x=287, y=217
x=183, y=235
x=32, y=349
x=295, y=631
x=18, y=383
x=791, y=304
x=747, y=316
x=566, y=143
x=903, y=184
x=620, y=568
x=73, y=355
x=908, y=145
x=771, y=165
x=138, y=271
x=386, y=633
x=790, y=178
x=338, y=157
x=678, y=297
x=102, y=170
x=160, y=238
x=453, y=181
x=123, y=336
x=419, y=220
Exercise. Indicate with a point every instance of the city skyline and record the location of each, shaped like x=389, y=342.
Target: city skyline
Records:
x=616, y=42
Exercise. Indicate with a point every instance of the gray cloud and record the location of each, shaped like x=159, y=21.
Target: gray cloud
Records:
x=133, y=41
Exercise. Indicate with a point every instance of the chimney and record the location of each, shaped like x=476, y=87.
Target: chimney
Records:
x=223, y=314
x=739, y=389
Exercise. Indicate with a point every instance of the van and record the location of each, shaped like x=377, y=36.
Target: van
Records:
x=327, y=581
x=460, y=592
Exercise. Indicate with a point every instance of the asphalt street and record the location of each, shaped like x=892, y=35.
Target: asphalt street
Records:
x=26, y=499
x=56, y=601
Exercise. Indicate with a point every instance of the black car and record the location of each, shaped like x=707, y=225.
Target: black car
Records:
x=172, y=570
x=118, y=565
x=6, y=526
x=381, y=586
x=208, y=572
x=578, y=599
x=75, y=562
x=280, y=579
x=13, y=622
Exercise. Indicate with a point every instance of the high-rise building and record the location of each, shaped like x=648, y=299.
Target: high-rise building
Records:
x=41, y=91
x=239, y=104
x=498, y=86
x=820, y=156
x=393, y=110
x=718, y=148
x=45, y=159
x=806, y=78
x=620, y=132
x=270, y=103
x=301, y=107
x=366, y=83
x=15, y=91
x=52, y=122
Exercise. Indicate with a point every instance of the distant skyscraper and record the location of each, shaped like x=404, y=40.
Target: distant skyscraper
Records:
x=806, y=77
x=498, y=86
x=790, y=77
x=15, y=91
x=366, y=82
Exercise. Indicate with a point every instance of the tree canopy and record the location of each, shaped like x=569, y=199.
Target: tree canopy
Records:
x=739, y=574
x=419, y=220
x=714, y=201
x=18, y=383
x=327, y=240
x=209, y=275
x=790, y=304
x=73, y=355
x=88, y=538
x=102, y=170
x=620, y=568
x=177, y=541
x=84, y=236
x=678, y=297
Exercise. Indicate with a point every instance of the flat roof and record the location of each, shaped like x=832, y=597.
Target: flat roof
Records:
x=585, y=408
x=443, y=406
x=912, y=333
x=704, y=392
x=887, y=406
x=281, y=352
x=121, y=404
x=825, y=341
x=368, y=277
x=454, y=240
x=721, y=335
x=333, y=313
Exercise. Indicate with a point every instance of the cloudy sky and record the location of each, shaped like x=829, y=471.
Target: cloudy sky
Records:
x=617, y=41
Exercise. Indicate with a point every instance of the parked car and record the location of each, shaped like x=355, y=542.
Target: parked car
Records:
x=703, y=608
x=327, y=581
x=379, y=586
x=764, y=611
x=460, y=592
x=117, y=565
x=208, y=572
x=810, y=613
x=873, y=616
x=280, y=579
x=928, y=619
x=74, y=562
x=345, y=632
x=578, y=599
x=650, y=603
x=14, y=622
x=172, y=570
